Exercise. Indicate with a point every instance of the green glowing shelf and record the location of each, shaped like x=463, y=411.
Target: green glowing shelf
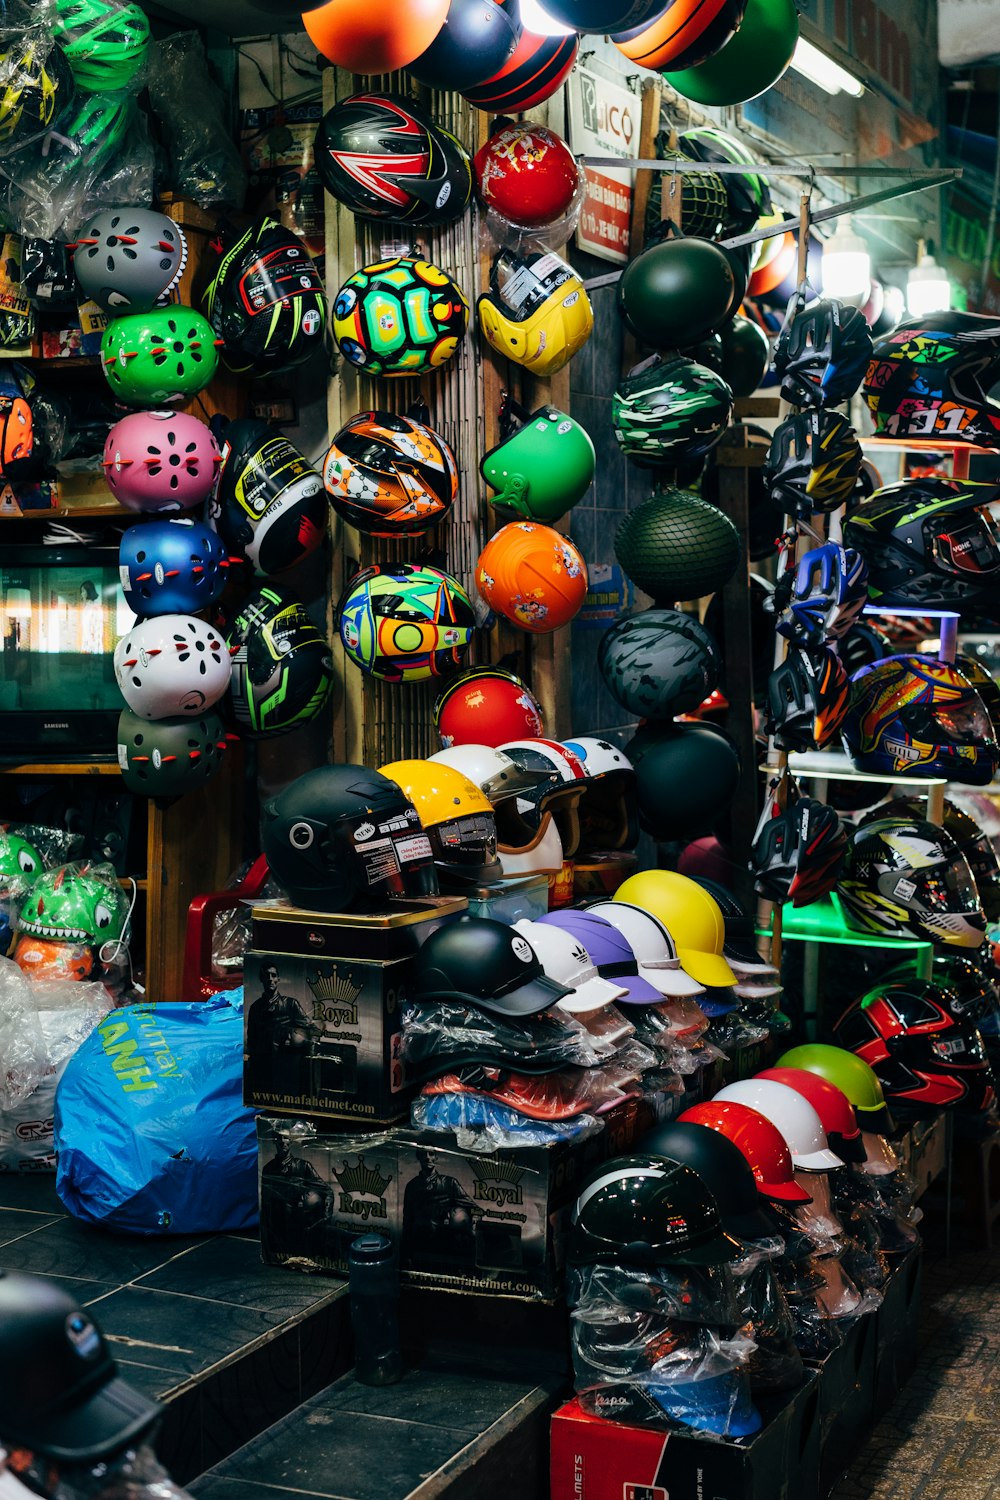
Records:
x=825, y=922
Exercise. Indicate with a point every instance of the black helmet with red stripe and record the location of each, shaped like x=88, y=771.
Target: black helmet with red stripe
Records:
x=798, y=851
x=539, y=66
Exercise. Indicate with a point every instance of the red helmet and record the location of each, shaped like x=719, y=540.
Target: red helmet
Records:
x=486, y=706
x=830, y=1103
x=527, y=174
x=761, y=1143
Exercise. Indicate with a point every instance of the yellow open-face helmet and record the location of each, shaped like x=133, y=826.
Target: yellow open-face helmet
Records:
x=457, y=817
x=536, y=311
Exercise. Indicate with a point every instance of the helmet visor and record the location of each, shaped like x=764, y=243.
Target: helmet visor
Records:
x=970, y=547
x=950, y=888
x=964, y=722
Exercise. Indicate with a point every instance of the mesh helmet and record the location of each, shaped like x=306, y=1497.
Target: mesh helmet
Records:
x=159, y=358
x=914, y=715
x=33, y=83
x=749, y=198
x=385, y=158
x=813, y=462
x=670, y=412
x=265, y=300
x=807, y=699
x=488, y=706
x=282, y=672
x=399, y=317
x=170, y=757
x=171, y=567
x=390, y=475
x=970, y=838
x=696, y=201
x=406, y=624
x=659, y=663
x=171, y=665
x=675, y=546
x=822, y=355
x=543, y=464
x=474, y=44
x=536, y=311
x=930, y=379
x=643, y=1210
x=822, y=596
x=798, y=851
x=457, y=817
x=930, y=542
x=158, y=461
x=532, y=576
x=910, y=879
x=976, y=674
x=105, y=42
x=269, y=504
x=129, y=259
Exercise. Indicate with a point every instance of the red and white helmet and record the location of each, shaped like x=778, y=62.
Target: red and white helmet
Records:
x=486, y=706
x=527, y=175
x=171, y=666
x=560, y=793
x=608, y=811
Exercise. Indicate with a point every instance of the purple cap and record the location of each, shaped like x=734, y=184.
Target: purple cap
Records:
x=610, y=952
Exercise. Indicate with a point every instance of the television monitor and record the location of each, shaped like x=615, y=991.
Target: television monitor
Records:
x=61, y=612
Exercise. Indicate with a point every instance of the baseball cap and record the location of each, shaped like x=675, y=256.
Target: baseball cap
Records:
x=565, y=959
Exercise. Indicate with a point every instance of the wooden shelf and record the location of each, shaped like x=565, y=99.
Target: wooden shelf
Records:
x=63, y=768
x=40, y=364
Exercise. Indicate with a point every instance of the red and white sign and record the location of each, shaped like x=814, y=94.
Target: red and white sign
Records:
x=604, y=121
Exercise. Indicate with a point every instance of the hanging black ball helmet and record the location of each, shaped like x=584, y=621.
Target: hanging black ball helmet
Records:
x=383, y=157
x=813, y=463
x=477, y=40
x=676, y=292
x=746, y=355
x=668, y=412
x=686, y=777
x=644, y=1210
x=659, y=663
x=488, y=965
x=723, y=1169
x=822, y=356
x=269, y=504
x=282, y=671
x=265, y=299
x=344, y=838
x=168, y=757
x=676, y=546
x=972, y=995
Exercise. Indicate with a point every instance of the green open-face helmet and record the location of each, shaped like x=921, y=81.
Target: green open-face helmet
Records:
x=104, y=42
x=543, y=464
x=159, y=358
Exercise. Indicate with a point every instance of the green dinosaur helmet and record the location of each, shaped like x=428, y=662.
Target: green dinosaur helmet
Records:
x=104, y=42
x=543, y=464
x=670, y=411
x=163, y=357
x=20, y=864
x=76, y=903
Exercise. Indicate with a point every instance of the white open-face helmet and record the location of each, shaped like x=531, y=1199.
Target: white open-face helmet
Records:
x=171, y=666
x=493, y=771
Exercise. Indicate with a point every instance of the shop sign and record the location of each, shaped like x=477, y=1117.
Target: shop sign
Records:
x=965, y=234
x=604, y=121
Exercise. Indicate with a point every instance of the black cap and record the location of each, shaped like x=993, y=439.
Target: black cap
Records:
x=482, y=963
x=723, y=1169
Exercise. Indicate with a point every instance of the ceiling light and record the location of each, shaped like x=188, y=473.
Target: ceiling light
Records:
x=534, y=17
x=823, y=71
x=928, y=289
x=847, y=266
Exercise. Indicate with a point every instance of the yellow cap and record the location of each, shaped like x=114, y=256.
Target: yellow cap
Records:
x=691, y=916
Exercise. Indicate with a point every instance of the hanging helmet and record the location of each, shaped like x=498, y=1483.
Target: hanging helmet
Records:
x=157, y=358
x=696, y=199
x=129, y=259
x=95, y=128
x=399, y=317
x=862, y=646
x=607, y=808
x=474, y=43
x=538, y=67
x=269, y=505
x=559, y=794
x=748, y=194
x=536, y=311
x=971, y=996
x=670, y=412
x=171, y=567
x=170, y=757
x=390, y=475
x=675, y=546
x=105, y=42
x=679, y=37
x=652, y=944
x=282, y=673
x=17, y=435
x=970, y=838
x=851, y=1075
x=760, y=1143
x=540, y=853
x=456, y=816
x=542, y=465
x=843, y=1134
x=686, y=778
x=406, y=624
x=383, y=157
x=265, y=300
x=930, y=379
x=692, y=914
x=484, y=964
x=915, y=716
x=798, y=851
x=75, y=903
x=32, y=83
x=910, y=879
x=486, y=706
x=160, y=461
x=659, y=663
x=362, y=38
x=822, y=596
x=790, y=1113
x=976, y=674
x=677, y=292
x=532, y=576
x=493, y=771
x=722, y=1167
x=807, y=700
x=641, y=1210
x=171, y=665
x=527, y=175
x=923, y=1056
x=813, y=462
x=344, y=838
x=822, y=355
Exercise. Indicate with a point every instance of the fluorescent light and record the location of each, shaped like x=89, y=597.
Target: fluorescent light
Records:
x=928, y=289
x=895, y=305
x=536, y=18
x=823, y=71
x=847, y=266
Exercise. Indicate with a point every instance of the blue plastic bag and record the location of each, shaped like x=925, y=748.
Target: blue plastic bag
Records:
x=151, y=1131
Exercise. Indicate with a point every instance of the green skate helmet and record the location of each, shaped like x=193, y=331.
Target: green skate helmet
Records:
x=670, y=411
x=104, y=42
x=171, y=756
x=159, y=358
x=73, y=904
x=543, y=464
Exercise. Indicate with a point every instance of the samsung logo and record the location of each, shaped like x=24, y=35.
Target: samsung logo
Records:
x=55, y=724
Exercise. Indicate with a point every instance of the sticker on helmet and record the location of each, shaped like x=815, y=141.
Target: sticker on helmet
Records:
x=363, y=833
x=522, y=949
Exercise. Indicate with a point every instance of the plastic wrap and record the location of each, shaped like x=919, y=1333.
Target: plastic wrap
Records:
x=205, y=163
x=438, y=1038
x=734, y=1030
x=608, y=1025
x=556, y=1096
x=776, y=1364
x=133, y=1474
x=34, y=80
x=482, y=1124
x=683, y=1294
x=818, y=1219
x=74, y=924
x=887, y=1202
x=23, y=1054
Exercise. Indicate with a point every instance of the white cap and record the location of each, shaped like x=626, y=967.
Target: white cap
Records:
x=565, y=959
x=793, y=1115
x=654, y=948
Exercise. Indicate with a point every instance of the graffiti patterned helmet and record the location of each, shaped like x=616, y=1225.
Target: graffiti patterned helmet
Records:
x=105, y=42
x=486, y=706
x=32, y=84
x=970, y=838
x=798, y=851
x=172, y=756
x=670, y=411
x=532, y=576
x=813, y=462
x=171, y=665
x=910, y=879
x=160, y=461
x=75, y=903
x=807, y=699
x=527, y=175
x=916, y=716
x=265, y=300
x=456, y=816
x=822, y=356
x=159, y=358
x=676, y=546
x=822, y=596
x=282, y=672
x=390, y=475
x=536, y=311
x=543, y=464
x=930, y=380
x=748, y=194
x=129, y=259
x=385, y=158
x=171, y=567
x=269, y=505
x=659, y=663
x=399, y=317
x=406, y=624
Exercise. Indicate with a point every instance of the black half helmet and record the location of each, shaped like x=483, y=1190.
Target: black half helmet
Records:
x=488, y=965
x=724, y=1170
x=265, y=299
x=643, y=1210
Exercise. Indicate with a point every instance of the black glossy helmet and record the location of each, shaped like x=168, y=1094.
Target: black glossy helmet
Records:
x=659, y=663
x=807, y=699
x=344, y=838
x=670, y=411
x=822, y=596
x=970, y=838
x=282, y=669
x=265, y=299
x=475, y=43
x=908, y=878
x=643, y=1210
x=972, y=993
x=168, y=757
x=723, y=1169
x=488, y=965
x=822, y=356
x=269, y=504
x=798, y=851
x=813, y=462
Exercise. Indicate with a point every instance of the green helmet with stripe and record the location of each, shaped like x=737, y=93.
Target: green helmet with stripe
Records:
x=670, y=411
x=747, y=192
x=282, y=669
x=104, y=42
x=543, y=465
x=265, y=300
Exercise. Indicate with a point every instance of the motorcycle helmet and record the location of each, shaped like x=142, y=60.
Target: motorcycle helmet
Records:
x=807, y=700
x=160, y=461
x=642, y=1210
x=851, y=1075
x=265, y=300
x=105, y=42
x=565, y=959
x=686, y=777
x=971, y=995
x=909, y=879
x=822, y=596
x=670, y=412
x=527, y=175
x=399, y=317
x=75, y=903
x=361, y=38
x=493, y=771
x=970, y=838
x=281, y=670
x=159, y=358
x=746, y=355
x=843, y=1133
x=695, y=202
x=692, y=914
x=543, y=464
x=976, y=674
x=474, y=44
x=798, y=852
x=652, y=944
x=813, y=462
x=679, y=37
x=484, y=964
x=343, y=838
x=916, y=716
x=677, y=292
x=538, y=67
x=723, y=1169
x=929, y=542
x=540, y=853
x=33, y=84
x=389, y=475
x=536, y=311
x=603, y=16
x=171, y=756
x=487, y=706
x=129, y=259
x=532, y=576
x=269, y=505
x=923, y=1057
x=171, y=567
x=560, y=794
x=675, y=546
x=748, y=195
x=930, y=379
x=171, y=665
x=790, y=1113
x=607, y=807
x=406, y=624
x=456, y=816
x=822, y=355
x=611, y=952
x=384, y=158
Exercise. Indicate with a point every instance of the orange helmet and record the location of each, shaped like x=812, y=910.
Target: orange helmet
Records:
x=532, y=576
x=16, y=431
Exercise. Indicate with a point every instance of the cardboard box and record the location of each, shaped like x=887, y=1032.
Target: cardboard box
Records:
x=897, y=1329
x=847, y=1397
x=924, y=1150
x=593, y=1459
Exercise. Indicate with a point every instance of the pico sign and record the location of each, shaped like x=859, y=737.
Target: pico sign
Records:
x=604, y=121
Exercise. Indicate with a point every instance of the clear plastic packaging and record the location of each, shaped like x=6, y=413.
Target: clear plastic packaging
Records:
x=482, y=1124
x=205, y=163
x=556, y=1096
x=776, y=1364
x=134, y=1474
x=684, y=1294
x=23, y=1054
x=439, y=1038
